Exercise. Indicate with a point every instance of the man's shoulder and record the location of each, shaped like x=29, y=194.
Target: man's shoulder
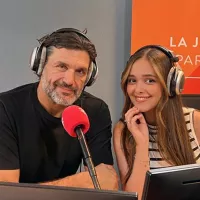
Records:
x=92, y=101
x=17, y=94
x=17, y=90
x=96, y=108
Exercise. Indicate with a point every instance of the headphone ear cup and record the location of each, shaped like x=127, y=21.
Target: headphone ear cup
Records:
x=37, y=59
x=42, y=61
x=180, y=81
x=171, y=84
x=175, y=81
x=32, y=62
x=93, y=73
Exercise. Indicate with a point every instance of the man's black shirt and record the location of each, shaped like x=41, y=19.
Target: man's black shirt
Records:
x=35, y=142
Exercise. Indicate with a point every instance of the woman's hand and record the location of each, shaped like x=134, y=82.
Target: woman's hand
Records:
x=137, y=126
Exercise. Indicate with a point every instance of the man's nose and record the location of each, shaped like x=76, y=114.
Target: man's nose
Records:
x=69, y=77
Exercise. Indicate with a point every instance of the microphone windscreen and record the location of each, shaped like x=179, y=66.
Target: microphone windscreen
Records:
x=74, y=116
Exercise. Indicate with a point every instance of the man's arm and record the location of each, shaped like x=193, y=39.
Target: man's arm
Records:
x=83, y=179
x=71, y=181
x=9, y=175
x=80, y=180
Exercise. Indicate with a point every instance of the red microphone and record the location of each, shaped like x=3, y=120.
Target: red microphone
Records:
x=73, y=117
x=76, y=123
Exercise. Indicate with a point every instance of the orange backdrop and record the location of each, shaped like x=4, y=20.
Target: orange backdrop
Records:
x=175, y=25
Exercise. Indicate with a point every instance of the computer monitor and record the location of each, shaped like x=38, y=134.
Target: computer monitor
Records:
x=191, y=100
x=19, y=191
x=173, y=183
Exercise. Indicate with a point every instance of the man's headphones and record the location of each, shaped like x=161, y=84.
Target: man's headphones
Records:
x=38, y=57
x=175, y=78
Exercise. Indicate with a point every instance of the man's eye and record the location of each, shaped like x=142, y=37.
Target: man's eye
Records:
x=81, y=72
x=61, y=67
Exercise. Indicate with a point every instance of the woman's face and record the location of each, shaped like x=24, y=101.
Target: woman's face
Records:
x=143, y=86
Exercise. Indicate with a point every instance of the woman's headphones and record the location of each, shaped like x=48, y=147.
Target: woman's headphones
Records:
x=38, y=57
x=175, y=78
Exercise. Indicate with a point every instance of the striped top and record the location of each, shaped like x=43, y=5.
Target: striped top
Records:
x=156, y=161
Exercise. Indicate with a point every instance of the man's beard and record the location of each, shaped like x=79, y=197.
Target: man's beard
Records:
x=50, y=90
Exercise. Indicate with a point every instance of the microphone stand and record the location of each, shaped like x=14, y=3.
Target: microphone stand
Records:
x=87, y=157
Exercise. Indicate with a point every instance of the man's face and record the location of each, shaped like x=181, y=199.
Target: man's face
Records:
x=65, y=74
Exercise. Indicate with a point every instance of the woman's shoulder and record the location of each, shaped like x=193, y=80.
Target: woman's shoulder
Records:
x=196, y=118
x=187, y=110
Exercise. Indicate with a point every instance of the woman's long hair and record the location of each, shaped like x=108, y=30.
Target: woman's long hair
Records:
x=172, y=137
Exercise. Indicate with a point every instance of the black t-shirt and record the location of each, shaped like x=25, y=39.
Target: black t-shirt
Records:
x=35, y=142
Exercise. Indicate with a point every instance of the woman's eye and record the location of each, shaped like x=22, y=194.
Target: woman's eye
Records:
x=150, y=81
x=131, y=80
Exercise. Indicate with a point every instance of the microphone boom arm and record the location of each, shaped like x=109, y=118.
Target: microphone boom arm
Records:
x=87, y=157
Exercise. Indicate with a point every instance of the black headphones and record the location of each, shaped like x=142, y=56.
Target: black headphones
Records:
x=175, y=78
x=38, y=57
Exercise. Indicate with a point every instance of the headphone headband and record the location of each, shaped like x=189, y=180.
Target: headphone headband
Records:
x=166, y=51
x=65, y=30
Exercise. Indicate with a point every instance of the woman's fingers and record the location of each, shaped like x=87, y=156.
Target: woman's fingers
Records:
x=136, y=118
x=136, y=124
x=142, y=119
x=131, y=113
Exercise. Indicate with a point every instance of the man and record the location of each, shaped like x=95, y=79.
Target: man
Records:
x=34, y=147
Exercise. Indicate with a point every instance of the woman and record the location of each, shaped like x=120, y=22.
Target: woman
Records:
x=155, y=129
